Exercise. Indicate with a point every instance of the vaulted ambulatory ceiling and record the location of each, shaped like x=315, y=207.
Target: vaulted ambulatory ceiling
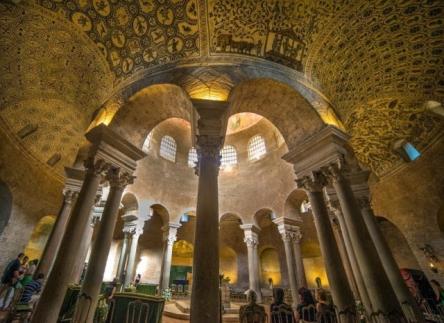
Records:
x=374, y=63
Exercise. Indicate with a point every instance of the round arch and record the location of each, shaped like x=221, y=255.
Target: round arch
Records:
x=283, y=106
x=230, y=217
x=160, y=210
x=39, y=236
x=440, y=218
x=398, y=244
x=228, y=264
x=5, y=205
x=270, y=266
x=293, y=203
x=147, y=108
x=264, y=217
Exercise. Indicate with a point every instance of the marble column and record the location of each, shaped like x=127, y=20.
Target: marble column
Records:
x=170, y=236
x=85, y=244
x=288, y=233
x=132, y=256
x=344, y=256
x=89, y=293
x=405, y=298
x=251, y=239
x=337, y=278
x=205, y=305
x=384, y=302
x=51, y=300
x=55, y=238
x=301, y=280
x=121, y=267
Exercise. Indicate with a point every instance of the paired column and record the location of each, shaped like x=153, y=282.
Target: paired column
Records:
x=170, y=236
x=301, y=280
x=251, y=239
x=129, y=217
x=132, y=255
x=84, y=244
x=288, y=233
x=340, y=288
x=405, y=298
x=356, y=272
x=57, y=282
x=89, y=293
x=56, y=235
x=384, y=302
x=205, y=305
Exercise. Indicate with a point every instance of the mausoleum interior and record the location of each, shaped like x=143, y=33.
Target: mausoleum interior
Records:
x=186, y=160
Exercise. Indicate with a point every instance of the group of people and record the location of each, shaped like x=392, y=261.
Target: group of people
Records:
x=308, y=309
x=20, y=276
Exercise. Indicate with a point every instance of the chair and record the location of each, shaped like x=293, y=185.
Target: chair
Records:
x=282, y=314
x=308, y=313
x=252, y=314
x=69, y=303
x=326, y=317
x=135, y=308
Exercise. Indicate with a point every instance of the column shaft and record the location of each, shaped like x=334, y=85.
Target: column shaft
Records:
x=54, y=292
x=345, y=260
x=205, y=305
x=291, y=270
x=383, y=299
x=341, y=292
x=301, y=280
x=167, y=265
x=365, y=298
x=122, y=259
x=55, y=238
x=132, y=259
x=83, y=245
x=405, y=298
x=89, y=292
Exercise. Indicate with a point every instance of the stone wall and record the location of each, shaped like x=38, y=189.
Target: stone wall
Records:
x=35, y=194
x=411, y=199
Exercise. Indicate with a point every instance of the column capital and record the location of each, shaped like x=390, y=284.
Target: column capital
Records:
x=251, y=234
x=208, y=147
x=313, y=183
x=170, y=233
x=96, y=166
x=333, y=172
x=119, y=178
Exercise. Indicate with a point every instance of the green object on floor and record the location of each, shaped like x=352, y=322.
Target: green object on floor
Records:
x=146, y=289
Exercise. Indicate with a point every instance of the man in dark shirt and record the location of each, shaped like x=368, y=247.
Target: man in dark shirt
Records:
x=11, y=272
x=31, y=289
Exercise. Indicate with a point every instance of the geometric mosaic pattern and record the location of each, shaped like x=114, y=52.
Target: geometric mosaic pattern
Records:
x=375, y=61
x=135, y=34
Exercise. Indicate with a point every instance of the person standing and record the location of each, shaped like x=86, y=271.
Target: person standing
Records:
x=10, y=278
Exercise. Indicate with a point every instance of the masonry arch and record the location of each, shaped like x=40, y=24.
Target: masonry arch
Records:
x=5, y=205
x=39, y=236
x=283, y=106
x=147, y=108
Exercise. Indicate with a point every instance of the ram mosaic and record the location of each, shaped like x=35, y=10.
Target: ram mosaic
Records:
x=135, y=34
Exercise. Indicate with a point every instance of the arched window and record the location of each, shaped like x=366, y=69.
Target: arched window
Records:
x=229, y=157
x=168, y=148
x=411, y=151
x=147, y=142
x=192, y=157
x=256, y=148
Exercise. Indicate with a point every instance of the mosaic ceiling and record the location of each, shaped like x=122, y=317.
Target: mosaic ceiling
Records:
x=361, y=55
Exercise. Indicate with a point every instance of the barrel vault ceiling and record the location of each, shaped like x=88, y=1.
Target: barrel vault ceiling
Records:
x=377, y=62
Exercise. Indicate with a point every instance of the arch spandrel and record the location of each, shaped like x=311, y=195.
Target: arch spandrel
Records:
x=288, y=110
x=147, y=108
